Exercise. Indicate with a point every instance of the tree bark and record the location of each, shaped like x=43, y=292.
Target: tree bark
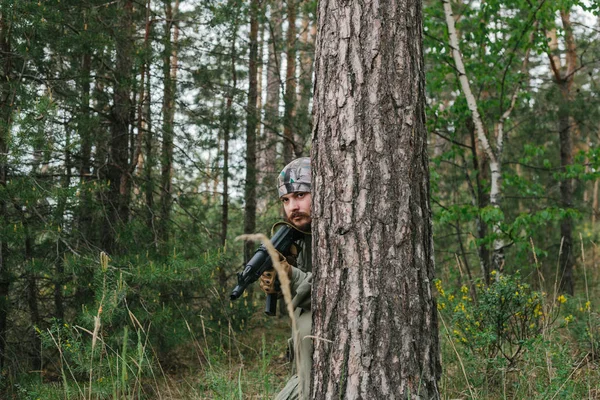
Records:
x=303, y=118
x=595, y=214
x=59, y=278
x=118, y=165
x=374, y=314
x=6, y=108
x=564, y=80
x=169, y=79
x=268, y=143
x=289, y=98
x=226, y=137
x=481, y=168
x=149, y=160
x=85, y=220
x=32, y=298
x=251, y=119
x=143, y=123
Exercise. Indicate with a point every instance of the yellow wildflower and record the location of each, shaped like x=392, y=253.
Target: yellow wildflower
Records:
x=438, y=286
x=561, y=299
x=569, y=318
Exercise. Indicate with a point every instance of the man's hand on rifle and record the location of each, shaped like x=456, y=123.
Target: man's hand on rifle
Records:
x=268, y=279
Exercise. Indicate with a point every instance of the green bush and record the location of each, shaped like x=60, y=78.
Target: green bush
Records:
x=498, y=321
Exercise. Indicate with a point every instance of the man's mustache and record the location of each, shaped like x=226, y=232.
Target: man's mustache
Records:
x=299, y=214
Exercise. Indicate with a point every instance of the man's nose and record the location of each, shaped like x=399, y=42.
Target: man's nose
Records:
x=293, y=204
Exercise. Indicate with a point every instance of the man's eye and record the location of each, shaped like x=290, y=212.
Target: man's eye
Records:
x=301, y=195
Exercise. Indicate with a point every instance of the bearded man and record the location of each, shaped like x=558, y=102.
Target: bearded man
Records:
x=294, y=186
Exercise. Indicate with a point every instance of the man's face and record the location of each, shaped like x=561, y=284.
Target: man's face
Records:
x=297, y=209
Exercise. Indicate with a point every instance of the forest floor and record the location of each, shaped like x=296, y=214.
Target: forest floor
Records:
x=548, y=348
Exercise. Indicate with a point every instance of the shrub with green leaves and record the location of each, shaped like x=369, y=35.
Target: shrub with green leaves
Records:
x=497, y=321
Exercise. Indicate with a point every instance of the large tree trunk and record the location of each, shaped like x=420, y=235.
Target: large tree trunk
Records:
x=289, y=98
x=374, y=313
x=251, y=118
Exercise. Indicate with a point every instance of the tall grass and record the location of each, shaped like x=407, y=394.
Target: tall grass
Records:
x=547, y=350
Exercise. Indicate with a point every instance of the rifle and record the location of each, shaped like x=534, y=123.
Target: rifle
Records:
x=261, y=262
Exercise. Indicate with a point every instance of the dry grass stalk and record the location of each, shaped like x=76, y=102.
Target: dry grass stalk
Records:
x=63, y=362
x=462, y=366
x=285, y=287
x=545, y=331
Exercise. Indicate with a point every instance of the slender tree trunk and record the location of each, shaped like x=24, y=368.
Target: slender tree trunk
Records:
x=6, y=107
x=493, y=154
x=566, y=190
x=118, y=165
x=86, y=133
x=138, y=155
x=595, y=208
x=267, y=167
x=251, y=119
x=149, y=161
x=259, y=81
x=303, y=117
x=32, y=298
x=167, y=131
x=59, y=278
x=226, y=137
x=595, y=214
x=565, y=82
x=374, y=313
x=170, y=78
x=481, y=174
x=290, y=85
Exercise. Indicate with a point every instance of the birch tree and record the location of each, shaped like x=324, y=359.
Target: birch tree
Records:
x=490, y=141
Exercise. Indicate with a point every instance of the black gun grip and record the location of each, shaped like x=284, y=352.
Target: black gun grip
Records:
x=271, y=306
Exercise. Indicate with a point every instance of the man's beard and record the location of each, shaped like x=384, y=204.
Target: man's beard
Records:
x=305, y=227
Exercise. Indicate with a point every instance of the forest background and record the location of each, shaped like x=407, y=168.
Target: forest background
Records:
x=138, y=139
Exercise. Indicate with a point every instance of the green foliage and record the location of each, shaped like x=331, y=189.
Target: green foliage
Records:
x=511, y=341
x=498, y=321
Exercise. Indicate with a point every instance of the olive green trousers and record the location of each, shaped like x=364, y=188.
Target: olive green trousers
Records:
x=298, y=387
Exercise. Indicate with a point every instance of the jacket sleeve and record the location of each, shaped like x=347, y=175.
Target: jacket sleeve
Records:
x=301, y=288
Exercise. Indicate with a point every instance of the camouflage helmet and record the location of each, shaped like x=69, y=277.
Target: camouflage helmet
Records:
x=295, y=177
